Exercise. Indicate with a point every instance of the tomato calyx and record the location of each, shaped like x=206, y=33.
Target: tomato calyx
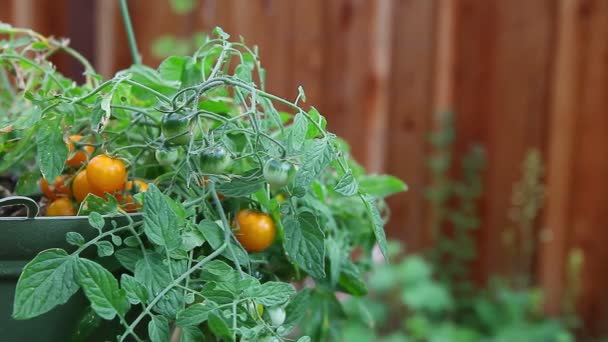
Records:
x=215, y=160
x=175, y=129
x=278, y=173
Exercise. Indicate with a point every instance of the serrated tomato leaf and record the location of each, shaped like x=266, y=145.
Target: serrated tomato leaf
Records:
x=101, y=288
x=161, y=223
x=46, y=281
x=304, y=243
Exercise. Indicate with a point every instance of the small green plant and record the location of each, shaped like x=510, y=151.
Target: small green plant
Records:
x=526, y=201
x=454, y=207
x=221, y=237
x=406, y=302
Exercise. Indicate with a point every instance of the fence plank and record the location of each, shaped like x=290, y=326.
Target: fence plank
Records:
x=560, y=156
x=589, y=182
x=7, y=11
x=496, y=39
x=411, y=89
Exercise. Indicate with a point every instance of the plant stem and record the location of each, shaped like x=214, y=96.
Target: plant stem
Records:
x=162, y=293
x=130, y=34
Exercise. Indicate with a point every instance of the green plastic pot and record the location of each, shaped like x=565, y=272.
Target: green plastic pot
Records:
x=22, y=238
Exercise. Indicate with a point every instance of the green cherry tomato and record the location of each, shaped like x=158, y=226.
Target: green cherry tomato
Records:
x=215, y=160
x=277, y=315
x=166, y=157
x=278, y=173
x=175, y=129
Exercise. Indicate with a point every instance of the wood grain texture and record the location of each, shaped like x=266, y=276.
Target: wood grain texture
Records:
x=507, y=115
x=410, y=111
x=589, y=186
x=563, y=115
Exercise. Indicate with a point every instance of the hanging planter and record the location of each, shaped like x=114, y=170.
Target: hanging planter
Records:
x=22, y=239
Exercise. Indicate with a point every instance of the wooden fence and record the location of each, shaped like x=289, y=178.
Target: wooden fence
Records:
x=518, y=73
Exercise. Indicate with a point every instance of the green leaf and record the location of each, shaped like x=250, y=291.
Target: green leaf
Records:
x=191, y=334
x=87, y=324
x=304, y=243
x=242, y=186
x=96, y=221
x=297, y=133
x=212, y=232
x=351, y=280
x=158, y=329
x=271, y=293
x=213, y=292
x=243, y=72
x=92, y=203
x=219, y=327
x=315, y=116
x=347, y=186
x=220, y=33
x=381, y=185
x=182, y=6
x=27, y=184
x=317, y=157
x=220, y=271
x=105, y=248
x=136, y=292
x=46, y=281
x=172, y=68
x=304, y=339
x=195, y=314
x=161, y=224
x=296, y=309
x=52, y=151
x=377, y=223
x=153, y=273
x=74, y=239
x=101, y=288
x=128, y=257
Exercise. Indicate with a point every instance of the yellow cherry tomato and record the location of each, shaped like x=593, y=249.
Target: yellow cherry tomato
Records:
x=255, y=230
x=132, y=187
x=80, y=157
x=81, y=187
x=61, y=207
x=106, y=174
x=59, y=188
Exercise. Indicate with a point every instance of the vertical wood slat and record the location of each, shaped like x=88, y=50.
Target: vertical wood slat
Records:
x=560, y=157
x=376, y=83
x=7, y=10
x=410, y=108
x=498, y=108
x=589, y=185
x=105, y=36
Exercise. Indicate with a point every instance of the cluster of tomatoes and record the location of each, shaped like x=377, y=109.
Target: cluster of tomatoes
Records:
x=102, y=174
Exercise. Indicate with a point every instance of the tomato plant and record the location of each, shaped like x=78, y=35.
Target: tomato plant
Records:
x=191, y=264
